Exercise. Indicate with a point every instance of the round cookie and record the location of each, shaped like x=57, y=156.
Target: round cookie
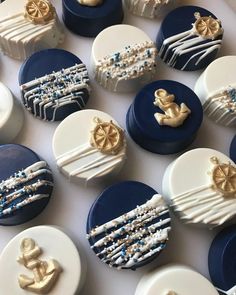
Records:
x=89, y=17
x=200, y=186
x=23, y=31
x=126, y=63
x=233, y=149
x=54, y=83
x=128, y=225
x=33, y=263
x=11, y=115
x=216, y=88
x=173, y=280
x=189, y=38
x=26, y=184
x=148, y=8
x=91, y=152
x=221, y=261
x=164, y=117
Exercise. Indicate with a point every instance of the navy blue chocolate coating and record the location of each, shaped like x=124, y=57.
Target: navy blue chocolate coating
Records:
x=114, y=202
x=14, y=158
x=44, y=62
x=145, y=130
x=90, y=21
x=233, y=149
x=178, y=21
x=222, y=259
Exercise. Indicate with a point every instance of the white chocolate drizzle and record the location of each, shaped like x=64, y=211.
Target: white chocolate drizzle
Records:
x=133, y=237
x=221, y=106
x=19, y=37
x=21, y=189
x=131, y=63
x=93, y=160
x=147, y=8
x=55, y=91
x=213, y=203
x=231, y=291
x=186, y=42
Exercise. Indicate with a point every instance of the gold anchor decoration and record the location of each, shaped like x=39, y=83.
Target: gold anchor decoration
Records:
x=107, y=137
x=39, y=11
x=207, y=27
x=224, y=178
x=46, y=273
x=175, y=115
x=90, y=2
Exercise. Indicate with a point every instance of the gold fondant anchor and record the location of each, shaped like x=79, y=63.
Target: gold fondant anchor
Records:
x=45, y=273
x=175, y=115
x=91, y=2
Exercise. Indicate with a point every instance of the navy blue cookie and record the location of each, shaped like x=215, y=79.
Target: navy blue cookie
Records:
x=90, y=21
x=54, y=84
x=189, y=38
x=26, y=184
x=128, y=225
x=233, y=149
x=222, y=260
x=144, y=128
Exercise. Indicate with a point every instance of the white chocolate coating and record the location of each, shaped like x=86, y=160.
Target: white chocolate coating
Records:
x=187, y=186
x=123, y=36
x=75, y=156
x=55, y=244
x=19, y=37
x=179, y=279
x=147, y=8
x=11, y=115
x=219, y=76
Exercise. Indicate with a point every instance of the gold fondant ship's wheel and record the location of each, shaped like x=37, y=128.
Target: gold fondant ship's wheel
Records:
x=224, y=178
x=107, y=137
x=39, y=11
x=207, y=27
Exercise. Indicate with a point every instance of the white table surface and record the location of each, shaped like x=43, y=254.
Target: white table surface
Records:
x=70, y=203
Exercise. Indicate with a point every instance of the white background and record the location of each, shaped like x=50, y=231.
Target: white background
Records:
x=70, y=203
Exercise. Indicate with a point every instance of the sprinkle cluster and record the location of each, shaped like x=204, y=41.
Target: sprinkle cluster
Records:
x=20, y=188
x=130, y=63
x=227, y=98
x=52, y=87
x=133, y=237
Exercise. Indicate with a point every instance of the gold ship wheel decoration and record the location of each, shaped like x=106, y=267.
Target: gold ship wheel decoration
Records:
x=107, y=137
x=207, y=27
x=39, y=11
x=224, y=178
